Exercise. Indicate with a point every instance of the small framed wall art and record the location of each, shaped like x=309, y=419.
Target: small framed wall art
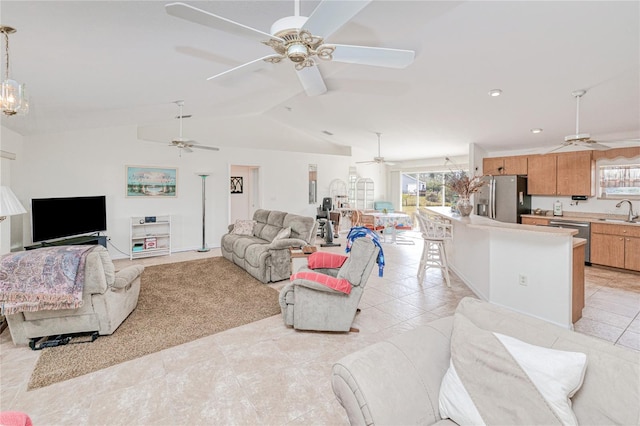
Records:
x=143, y=181
x=236, y=184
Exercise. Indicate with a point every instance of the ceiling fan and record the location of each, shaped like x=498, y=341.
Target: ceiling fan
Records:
x=301, y=40
x=186, y=144
x=379, y=159
x=580, y=139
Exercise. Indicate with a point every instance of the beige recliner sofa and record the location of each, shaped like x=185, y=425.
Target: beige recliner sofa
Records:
x=397, y=381
x=262, y=255
x=108, y=299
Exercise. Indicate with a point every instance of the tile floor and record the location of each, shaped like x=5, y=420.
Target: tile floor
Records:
x=264, y=373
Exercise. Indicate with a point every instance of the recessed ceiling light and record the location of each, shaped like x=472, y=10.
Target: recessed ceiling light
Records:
x=536, y=131
x=495, y=92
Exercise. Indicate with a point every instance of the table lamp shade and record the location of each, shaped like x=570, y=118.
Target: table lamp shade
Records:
x=9, y=204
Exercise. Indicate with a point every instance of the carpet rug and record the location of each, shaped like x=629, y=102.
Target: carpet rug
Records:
x=178, y=303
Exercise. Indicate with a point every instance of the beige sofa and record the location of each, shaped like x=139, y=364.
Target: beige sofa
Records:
x=108, y=299
x=260, y=253
x=397, y=381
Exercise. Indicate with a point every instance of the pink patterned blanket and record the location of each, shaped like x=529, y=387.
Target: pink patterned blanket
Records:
x=43, y=279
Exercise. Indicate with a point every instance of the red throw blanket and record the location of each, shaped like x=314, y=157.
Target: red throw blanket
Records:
x=43, y=279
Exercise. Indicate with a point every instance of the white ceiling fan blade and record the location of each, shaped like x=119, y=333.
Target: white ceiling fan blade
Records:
x=312, y=81
x=254, y=65
x=595, y=145
x=212, y=148
x=210, y=20
x=330, y=15
x=186, y=149
x=557, y=148
x=376, y=56
x=365, y=162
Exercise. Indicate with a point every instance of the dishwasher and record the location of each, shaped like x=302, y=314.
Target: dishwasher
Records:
x=584, y=231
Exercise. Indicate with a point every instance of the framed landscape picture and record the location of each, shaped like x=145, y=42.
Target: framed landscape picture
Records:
x=143, y=181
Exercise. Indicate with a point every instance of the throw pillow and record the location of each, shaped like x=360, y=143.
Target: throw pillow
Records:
x=323, y=259
x=243, y=227
x=284, y=233
x=493, y=378
x=339, y=284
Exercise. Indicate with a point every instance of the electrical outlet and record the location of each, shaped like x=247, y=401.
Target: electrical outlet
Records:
x=522, y=279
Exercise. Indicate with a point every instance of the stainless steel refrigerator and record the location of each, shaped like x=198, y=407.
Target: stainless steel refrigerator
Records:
x=504, y=198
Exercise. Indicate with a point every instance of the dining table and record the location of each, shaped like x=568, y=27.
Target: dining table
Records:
x=391, y=221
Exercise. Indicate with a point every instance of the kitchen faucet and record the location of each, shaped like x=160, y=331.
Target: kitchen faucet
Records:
x=631, y=216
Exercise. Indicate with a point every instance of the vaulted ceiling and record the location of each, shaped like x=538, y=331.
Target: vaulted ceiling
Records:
x=93, y=64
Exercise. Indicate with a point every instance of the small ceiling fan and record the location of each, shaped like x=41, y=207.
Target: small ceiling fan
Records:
x=186, y=144
x=301, y=40
x=379, y=159
x=580, y=139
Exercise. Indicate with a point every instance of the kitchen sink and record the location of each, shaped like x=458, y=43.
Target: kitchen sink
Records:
x=616, y=220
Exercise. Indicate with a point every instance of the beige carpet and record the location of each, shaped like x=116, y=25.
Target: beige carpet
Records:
x=178, y=303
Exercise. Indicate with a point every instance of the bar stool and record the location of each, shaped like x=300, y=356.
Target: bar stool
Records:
x=435, y=231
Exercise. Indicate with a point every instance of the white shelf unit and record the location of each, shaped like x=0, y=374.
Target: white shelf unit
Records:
x=144, y=232
x=364, y=194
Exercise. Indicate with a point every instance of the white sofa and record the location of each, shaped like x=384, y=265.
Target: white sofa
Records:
x=397, y=381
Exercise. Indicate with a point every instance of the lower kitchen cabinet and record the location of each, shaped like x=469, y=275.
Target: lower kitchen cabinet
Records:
x=535, y=221
x=617, y=246
x=632, y=253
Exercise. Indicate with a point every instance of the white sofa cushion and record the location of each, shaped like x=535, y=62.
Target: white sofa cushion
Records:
x=490, y=374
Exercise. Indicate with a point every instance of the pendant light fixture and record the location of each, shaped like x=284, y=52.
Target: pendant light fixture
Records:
x=13, y=98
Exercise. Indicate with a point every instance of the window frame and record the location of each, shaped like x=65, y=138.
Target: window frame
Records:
x=626, y=162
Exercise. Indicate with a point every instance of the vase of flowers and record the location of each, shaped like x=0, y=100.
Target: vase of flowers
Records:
x=464, y=185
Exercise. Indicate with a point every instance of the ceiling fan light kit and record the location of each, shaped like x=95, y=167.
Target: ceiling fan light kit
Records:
x=13, y=95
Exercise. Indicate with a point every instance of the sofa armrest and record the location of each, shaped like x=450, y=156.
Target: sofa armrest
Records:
x=313, y=285
x=396, y=381
x=127, y=276
x=285, y=243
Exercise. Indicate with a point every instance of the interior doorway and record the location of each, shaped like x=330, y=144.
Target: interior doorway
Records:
x=245, y=195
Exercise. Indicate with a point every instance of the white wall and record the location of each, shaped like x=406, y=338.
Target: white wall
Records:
x=10, y=229
x=93, y=163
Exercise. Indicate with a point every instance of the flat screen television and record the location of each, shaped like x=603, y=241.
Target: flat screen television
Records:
x=53, y=218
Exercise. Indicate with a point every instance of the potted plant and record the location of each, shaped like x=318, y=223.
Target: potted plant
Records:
x=464, y=185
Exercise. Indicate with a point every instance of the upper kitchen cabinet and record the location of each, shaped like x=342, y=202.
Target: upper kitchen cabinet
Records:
x=575, y=173
x=569, y=173
x=542, y=175
x=516, y=165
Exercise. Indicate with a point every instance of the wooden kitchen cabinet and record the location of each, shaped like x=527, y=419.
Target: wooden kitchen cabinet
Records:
x=570, y=173
x=514, y=165
x=535, y=221
x=617, y=246
x=575, y=173
x=542, y=175
x=632, y=253
x=607, y=250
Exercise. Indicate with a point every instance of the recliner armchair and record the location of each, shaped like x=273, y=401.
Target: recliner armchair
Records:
x=108, y=298
x=309, y=305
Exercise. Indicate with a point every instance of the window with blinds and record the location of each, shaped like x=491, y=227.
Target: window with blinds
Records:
x=619, y=181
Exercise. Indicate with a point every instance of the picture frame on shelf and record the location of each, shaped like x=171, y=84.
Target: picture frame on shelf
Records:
x=236, y=184
x=146, y=181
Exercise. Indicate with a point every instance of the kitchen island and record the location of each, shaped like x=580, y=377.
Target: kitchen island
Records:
x=527, y=268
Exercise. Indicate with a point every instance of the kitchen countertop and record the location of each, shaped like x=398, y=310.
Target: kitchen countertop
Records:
x=474, y=221
x=587, y=217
